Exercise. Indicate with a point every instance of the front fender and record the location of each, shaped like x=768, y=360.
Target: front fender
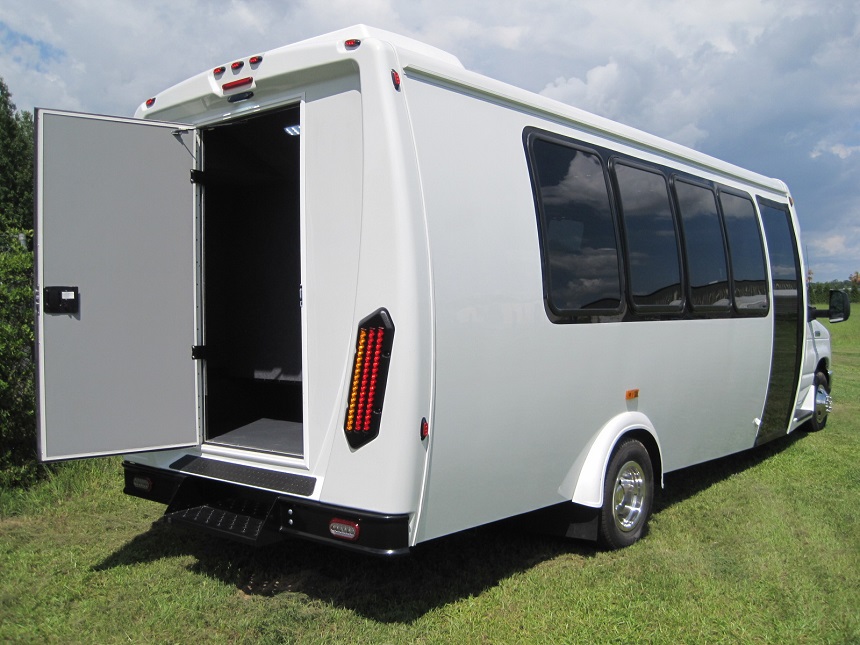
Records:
x=583, y=483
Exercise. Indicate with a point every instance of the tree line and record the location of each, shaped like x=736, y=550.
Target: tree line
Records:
x=18, y=464
x=819, y=292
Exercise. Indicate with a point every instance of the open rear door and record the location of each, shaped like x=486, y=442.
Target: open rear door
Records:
x=115, y=285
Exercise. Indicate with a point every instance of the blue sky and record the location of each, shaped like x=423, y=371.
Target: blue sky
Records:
x=773, y=86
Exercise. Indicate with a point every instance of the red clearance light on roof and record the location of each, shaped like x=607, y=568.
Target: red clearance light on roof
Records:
x=256, y=60
x=395, y=78
x=150, y=102
x=232, y=85
x=425, y=429
x=219, y=70
x=237, y=66
x=369, y=376
x=352, y=43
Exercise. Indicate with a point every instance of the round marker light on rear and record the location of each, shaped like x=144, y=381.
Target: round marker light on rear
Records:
x=219, y=70
x=344, y=529
x=395, y=78
x=237, y=66
x=352, y=43
x=150, y=102
x=256, y=60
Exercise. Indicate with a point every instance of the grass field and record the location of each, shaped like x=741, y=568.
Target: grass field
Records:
x=763, y=547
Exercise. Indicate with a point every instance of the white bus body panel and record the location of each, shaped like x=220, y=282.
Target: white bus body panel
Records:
x=519, y=400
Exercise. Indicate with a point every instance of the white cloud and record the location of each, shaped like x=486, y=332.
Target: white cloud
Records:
x=830, y=245
x=600, y=92
x=838, y=149
x=834, y=255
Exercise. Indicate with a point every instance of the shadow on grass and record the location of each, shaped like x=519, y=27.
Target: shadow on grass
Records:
x=402, y=589
x=683, y=484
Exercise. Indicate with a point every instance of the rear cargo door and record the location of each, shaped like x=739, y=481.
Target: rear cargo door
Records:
x=115, y=285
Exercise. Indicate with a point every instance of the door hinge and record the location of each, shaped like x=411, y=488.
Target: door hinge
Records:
x=197, y=177
x=198, y=352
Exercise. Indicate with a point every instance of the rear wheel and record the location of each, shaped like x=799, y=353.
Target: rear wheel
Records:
x=823, y=402
x=628, y=494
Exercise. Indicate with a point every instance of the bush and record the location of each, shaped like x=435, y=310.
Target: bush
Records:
x=18, y=464
x=819, y=292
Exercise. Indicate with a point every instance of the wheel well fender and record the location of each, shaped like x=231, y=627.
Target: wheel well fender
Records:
x=583, y=483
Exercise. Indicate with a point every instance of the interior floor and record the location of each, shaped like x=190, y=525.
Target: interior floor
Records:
x=266, y=435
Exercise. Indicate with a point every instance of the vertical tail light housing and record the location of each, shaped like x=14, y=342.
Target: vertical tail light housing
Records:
x=369, y=375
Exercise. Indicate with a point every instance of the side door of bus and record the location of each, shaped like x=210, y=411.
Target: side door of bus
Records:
x=788, y=320
x=115, y=285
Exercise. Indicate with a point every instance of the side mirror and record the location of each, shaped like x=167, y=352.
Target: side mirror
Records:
x=840, y=306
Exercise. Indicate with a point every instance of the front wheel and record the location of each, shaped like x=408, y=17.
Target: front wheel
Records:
x=823, y=402
x=628, y=494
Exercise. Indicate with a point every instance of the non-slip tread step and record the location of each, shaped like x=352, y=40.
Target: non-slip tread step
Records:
x=219, y=519
x=249, y=476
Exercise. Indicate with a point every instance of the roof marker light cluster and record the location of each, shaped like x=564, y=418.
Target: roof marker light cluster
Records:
x=219, y=71
x=235, y=67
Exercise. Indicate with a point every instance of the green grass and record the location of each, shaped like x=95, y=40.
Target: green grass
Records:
x=763, y=547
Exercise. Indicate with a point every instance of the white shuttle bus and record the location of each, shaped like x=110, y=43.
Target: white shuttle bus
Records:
x=348, y=291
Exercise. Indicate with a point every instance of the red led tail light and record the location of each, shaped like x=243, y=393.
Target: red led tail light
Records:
x=369, y=376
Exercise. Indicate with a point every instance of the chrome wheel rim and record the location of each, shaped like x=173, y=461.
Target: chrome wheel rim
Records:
x=628, y=502
x=823, y=404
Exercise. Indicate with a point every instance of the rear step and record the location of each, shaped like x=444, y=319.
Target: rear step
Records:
x=215, y=507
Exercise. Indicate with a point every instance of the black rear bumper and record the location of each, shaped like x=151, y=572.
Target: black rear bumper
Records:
x=255, y=516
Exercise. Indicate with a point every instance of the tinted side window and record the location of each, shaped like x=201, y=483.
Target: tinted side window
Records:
x=652, y=244
x=782, y=248
x=707, y=270
x=747, y=254
x=577, y=232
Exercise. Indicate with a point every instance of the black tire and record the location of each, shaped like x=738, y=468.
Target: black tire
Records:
x=821, y=386
x=628, y=495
